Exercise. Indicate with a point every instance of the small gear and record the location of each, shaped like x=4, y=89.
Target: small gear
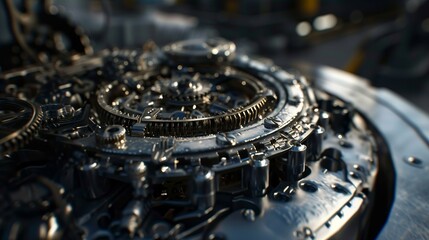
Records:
x=112, y=135
x=19, y=122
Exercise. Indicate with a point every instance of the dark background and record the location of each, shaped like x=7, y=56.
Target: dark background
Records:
x=386, y=41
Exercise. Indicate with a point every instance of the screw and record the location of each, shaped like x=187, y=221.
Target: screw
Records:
x=258, y=156
x=308, y=186
x=272, y=122
x=295, y=100
x=340, y=188
x=284, y=195
x=308, y=233
x=226, y=139
x=249, y=214
x=413, y=161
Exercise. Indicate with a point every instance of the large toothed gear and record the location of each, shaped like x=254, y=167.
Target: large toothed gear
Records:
x=202, y=143
x=19, y=122
x=194, y=141
x=191, y=108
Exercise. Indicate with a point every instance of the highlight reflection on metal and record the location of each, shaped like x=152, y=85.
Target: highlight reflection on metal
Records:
x=194, y=141
x=173, y=135
x=406, y=130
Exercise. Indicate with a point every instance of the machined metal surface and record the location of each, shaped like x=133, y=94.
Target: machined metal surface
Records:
x=195, y=141
x=406, y=130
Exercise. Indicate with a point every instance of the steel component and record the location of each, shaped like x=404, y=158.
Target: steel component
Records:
x=185, y=114
x=324, y=119
x=392, y=113
x=295, y=161
x=56, y=112
x=341, y=119
x=112, y=135
x=20, y=121
x=132, y=218
x=316, y=142
x=199, y=51
x=93, y=185
x=195, y=141
x=204, y=190
x=225, y=139
x=260, y=175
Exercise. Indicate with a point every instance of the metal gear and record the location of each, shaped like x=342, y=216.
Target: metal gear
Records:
x=185, y=90
x=19, y=122
x=42, y=34
x=178, y=145
x=112, y=135
x=235, y=99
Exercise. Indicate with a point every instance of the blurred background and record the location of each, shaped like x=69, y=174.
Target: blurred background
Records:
x=385, y=41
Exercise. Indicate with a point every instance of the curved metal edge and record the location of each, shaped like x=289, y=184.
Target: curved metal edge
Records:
x=406, y=131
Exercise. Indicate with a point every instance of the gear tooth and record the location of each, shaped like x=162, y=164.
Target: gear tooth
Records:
x=226, y=120
x=25, y=133
x=14, y=142
x=114, y=134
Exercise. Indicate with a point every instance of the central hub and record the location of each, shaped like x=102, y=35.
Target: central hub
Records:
x=185, y=85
